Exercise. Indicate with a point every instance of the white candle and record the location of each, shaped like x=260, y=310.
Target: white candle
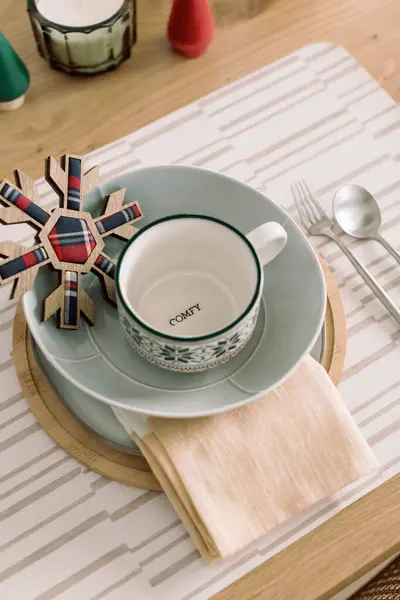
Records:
x=78, y=13
x=84, y=52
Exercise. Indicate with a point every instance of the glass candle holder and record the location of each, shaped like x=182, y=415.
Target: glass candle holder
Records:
x=79, y=47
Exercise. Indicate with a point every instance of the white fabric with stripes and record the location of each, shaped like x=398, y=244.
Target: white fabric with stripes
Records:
x=67, y=533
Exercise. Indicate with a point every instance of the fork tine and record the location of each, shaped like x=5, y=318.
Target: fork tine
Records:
x=305, y=204
x=313, y=212
x=321, y=213
x=296, y=193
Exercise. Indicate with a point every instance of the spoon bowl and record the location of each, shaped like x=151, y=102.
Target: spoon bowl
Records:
x=357, y=211
x=358, y=214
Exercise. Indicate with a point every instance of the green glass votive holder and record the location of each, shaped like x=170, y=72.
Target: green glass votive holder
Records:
x=85, y=49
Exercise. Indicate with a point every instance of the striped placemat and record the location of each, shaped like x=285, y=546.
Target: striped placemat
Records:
x=67, y=533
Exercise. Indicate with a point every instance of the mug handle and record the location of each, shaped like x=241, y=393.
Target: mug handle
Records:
x=268, y=240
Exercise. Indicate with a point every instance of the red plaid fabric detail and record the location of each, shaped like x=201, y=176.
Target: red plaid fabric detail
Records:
x=105, y=265
x=22, y=263
x=121, y=217
x=74, y=184
x=71, y=298
x=72, y=240
x=12, y=195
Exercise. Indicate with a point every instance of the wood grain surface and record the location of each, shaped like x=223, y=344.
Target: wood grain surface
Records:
x=91, y=449
x=69, y=114
x=330, y=557
x=66, y=430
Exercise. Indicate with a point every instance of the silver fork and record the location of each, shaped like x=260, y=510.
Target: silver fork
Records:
x=317, y=222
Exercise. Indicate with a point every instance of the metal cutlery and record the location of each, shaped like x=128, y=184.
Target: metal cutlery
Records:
x=359, y=215
x=316, y=221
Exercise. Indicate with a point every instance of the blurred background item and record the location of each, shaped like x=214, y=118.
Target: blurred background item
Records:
x=229, y=11
x=190, y=27
x=83, y=38
x=14, y=77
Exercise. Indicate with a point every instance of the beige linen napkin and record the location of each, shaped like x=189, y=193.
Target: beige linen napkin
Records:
x=234, y=476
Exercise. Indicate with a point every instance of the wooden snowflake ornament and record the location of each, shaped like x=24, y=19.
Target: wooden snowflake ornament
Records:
x=68, y=238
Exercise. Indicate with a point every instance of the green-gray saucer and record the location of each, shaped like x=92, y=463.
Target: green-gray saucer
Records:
x=98, y=361
x=98, y=416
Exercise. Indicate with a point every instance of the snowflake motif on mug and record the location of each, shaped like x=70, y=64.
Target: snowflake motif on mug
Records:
x=67, y=238
x=133, y=333
x=226, y=346
x=179, y=355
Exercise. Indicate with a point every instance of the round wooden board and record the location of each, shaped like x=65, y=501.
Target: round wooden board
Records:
x=92, y=450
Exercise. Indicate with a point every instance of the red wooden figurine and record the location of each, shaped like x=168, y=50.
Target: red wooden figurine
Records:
x=190, y=27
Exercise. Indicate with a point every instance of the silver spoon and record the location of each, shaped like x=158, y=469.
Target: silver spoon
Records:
x=358, y=214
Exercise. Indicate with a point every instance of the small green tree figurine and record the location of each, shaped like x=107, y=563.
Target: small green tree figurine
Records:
x=14, y=77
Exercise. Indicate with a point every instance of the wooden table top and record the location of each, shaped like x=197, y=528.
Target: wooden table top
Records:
x=76, y=114
x=63, y=113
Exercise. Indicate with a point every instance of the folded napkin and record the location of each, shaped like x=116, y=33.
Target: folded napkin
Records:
x=234, y=476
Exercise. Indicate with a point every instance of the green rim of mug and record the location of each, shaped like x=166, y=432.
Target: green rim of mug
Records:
x=197, y=338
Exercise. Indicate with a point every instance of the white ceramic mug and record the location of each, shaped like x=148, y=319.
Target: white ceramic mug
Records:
x=189, y=289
